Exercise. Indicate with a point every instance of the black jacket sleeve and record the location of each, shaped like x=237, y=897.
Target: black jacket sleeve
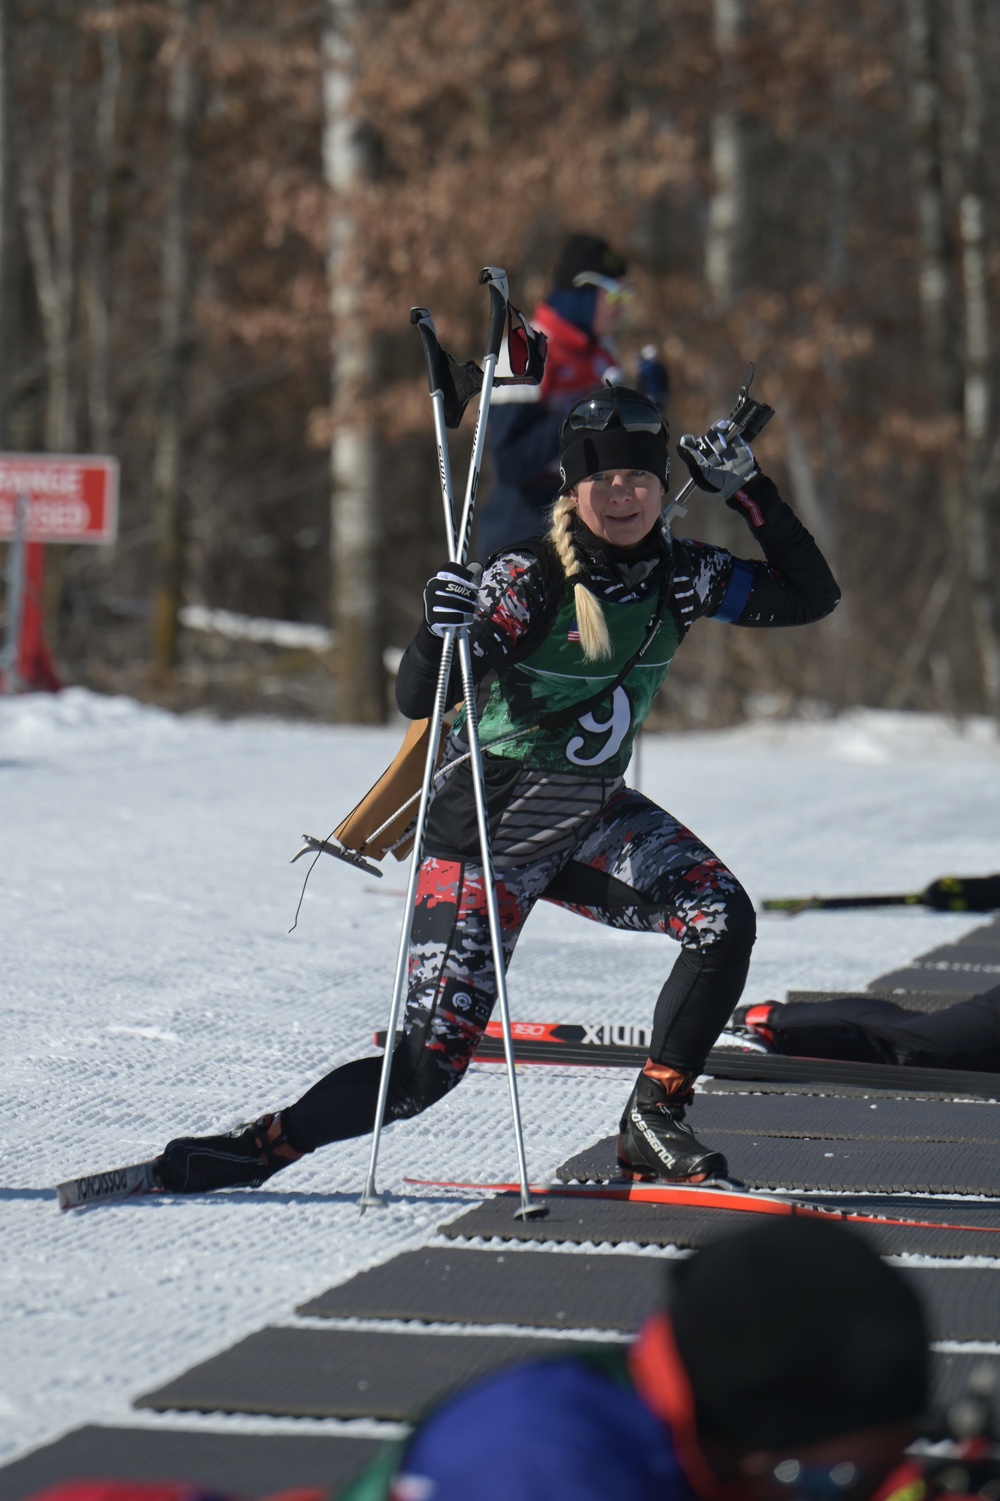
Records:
x=795, y=587
x=416, y=680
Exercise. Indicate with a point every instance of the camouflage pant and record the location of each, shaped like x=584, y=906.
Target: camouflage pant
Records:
x=637, y=867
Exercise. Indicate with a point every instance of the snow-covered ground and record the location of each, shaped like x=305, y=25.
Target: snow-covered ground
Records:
x=150, y=986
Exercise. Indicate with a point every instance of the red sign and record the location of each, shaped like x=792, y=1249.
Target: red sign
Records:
x=71, y=497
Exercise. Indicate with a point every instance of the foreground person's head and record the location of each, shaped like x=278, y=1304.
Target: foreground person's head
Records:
x=807, y=1356
x=614, y=460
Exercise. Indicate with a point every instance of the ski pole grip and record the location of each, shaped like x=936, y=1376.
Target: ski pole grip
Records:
x=433, y=353
x=495, y=277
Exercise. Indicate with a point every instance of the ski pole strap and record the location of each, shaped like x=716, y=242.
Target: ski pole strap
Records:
x=457, y=383
x=525, y=348
x=559, y=718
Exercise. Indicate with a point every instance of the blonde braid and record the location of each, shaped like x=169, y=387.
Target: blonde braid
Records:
x=593, y=628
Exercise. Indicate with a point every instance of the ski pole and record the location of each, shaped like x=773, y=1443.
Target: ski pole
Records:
x=528, y=1209
x=370, y=1197
x=435, y=374
x=434, y=357
x=457, y=547
x=496, y=280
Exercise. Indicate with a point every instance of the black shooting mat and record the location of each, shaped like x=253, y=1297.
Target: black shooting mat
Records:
x=914, y=985
x=343, y=1373
x=911, y=1000
x=792, y=1087
x=950, y=1376
x=242, y=1464
x=960, y=976
x=867, y=1167
x=611, y=1292
x=456, y=1286
x=835, y=1118
x=965, y=968
x=578, y=1221
x=733, y=1063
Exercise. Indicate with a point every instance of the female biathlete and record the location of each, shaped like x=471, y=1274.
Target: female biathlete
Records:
x=571, y=637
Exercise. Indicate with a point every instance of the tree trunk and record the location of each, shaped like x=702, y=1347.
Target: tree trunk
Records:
x=978, y=387
x=99, y=276
x=4, y=214
x=50, y=248
x=355, y=521
x=175, y=301
x=726, y=209
x=840, y=670
x=936, y=283
x=938, y=320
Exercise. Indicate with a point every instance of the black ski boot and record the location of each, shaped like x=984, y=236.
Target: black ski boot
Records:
x=755, y=1022
x=244, y=1158
x=654, y=1140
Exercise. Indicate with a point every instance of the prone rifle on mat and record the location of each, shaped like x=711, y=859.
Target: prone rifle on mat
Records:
x=946, y=894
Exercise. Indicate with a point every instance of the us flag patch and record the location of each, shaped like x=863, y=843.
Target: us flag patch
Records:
x=573, y=634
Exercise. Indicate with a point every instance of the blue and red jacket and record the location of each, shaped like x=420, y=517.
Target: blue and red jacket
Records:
x=524, y=432
x=575, y=1428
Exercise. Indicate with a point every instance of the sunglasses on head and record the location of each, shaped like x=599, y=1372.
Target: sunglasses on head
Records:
x=817, y=1482
x=614, y=291
x=600, y=411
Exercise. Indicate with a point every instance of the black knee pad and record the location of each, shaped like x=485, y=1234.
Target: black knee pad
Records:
x=741, y=922
x=732, y=944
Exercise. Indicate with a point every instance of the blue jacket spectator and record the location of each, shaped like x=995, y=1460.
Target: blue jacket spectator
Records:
x=579, y=318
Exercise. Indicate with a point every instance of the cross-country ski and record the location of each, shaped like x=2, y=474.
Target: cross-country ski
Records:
x=722, y=1196
x=131, y=1182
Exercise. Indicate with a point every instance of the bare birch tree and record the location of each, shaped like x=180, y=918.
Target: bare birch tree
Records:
x=355, y=519
x=935, y=276
x=936, y=297
x=726, y=206
x=175, y=301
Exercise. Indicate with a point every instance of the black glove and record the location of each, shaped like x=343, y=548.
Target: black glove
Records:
x=720, y=461
x=450, y=597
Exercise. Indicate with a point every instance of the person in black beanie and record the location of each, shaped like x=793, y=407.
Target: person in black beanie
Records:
x=790, y=1364
x=579, y=317
x=794, y=1334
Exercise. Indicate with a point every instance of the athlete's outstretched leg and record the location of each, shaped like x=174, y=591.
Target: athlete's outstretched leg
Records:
x=866, y=1029
x=642, y=869
x=450, y=996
